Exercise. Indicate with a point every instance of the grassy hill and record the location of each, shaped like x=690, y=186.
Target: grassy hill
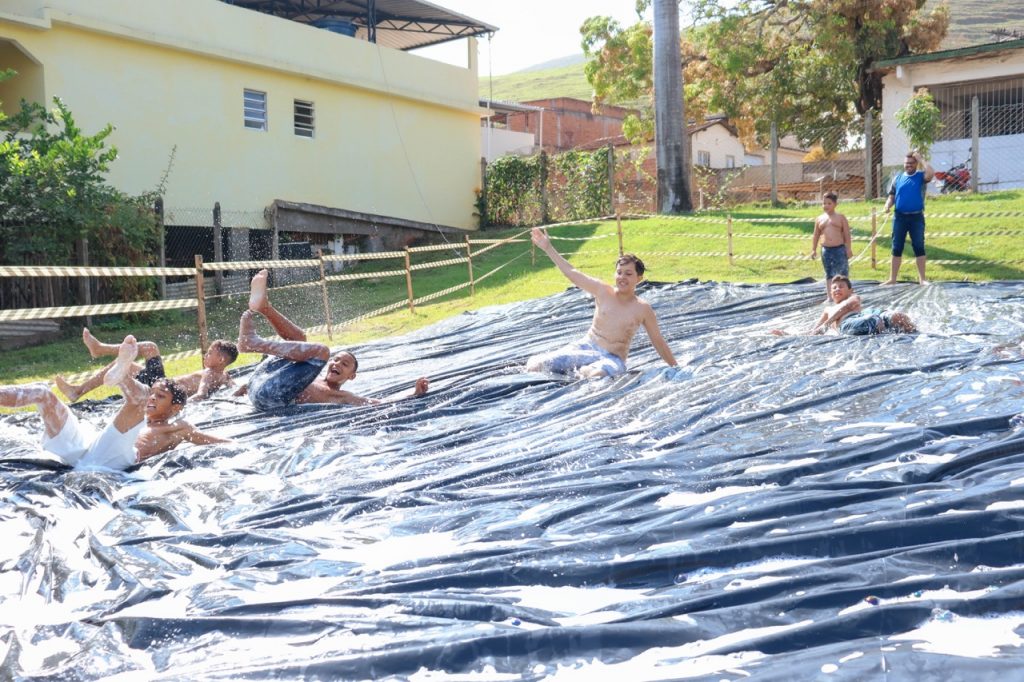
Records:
x=972, y=24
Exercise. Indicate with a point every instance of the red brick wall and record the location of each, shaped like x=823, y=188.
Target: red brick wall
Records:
x=568, y=123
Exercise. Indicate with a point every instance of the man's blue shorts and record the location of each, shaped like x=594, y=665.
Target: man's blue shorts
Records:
x=277, y=382
x=835, y=262
x=866, y=322
x=582, y=353
x=904, y=224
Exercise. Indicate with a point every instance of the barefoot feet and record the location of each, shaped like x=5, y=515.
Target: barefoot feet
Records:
x=70, y=391
x=122, y=366
x=258, y=291
x=92, y=343
x=248, y=340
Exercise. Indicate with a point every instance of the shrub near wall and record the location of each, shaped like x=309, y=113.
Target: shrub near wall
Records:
x=523, y=191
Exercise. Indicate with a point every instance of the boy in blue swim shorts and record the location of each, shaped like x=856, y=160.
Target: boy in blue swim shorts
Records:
x=290, y=376
x=847, y=316
x=618, y=313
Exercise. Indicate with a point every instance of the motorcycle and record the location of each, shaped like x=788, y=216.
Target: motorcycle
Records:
x=956, y=179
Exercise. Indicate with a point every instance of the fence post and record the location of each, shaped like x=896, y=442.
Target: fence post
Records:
x=611, y=180
x=158, y=211
x=84, y=283
x=878, y=179
x=729, y=232
x=323, y=290
x=618, y=224
x=874, y=235
x=218, y=249
x=204, y=341
x=775, y=163
x=869, y=120
x=469, y=263
x=408, y=279
x=544, y=215
x=975, y=141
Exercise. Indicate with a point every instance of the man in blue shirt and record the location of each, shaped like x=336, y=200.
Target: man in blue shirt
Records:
x=906, y=193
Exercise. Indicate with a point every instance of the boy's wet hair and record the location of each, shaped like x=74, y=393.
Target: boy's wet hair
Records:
x=831, y=196
x=841, y=278
x=226, y=348
x=630, y=259
x=178, y=394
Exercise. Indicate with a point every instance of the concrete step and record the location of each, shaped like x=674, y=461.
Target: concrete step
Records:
x=22, y=333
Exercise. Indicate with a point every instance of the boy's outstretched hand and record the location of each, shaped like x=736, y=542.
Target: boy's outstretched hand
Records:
x=540, y=238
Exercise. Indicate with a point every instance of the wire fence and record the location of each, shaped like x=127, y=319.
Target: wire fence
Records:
x=382, y=282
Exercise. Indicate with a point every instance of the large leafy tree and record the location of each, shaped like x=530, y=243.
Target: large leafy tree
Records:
x=805, y=64
x=53, y=193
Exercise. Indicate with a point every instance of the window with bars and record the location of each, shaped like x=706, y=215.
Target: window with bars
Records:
x=304, y=118
x=1000, y=108
x=255, y=107
x=704, y=158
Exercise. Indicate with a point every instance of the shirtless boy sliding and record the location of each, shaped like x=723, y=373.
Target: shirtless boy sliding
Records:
x=833, y=231
x=290, y=377
x=847, y=316
x=198, y=385
x=143, y=427
x=617, y=315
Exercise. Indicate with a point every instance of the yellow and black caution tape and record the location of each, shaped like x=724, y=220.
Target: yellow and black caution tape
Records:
x=88, y=271
x=103, y=309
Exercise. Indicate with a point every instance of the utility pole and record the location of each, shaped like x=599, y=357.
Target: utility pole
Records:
x=670, y=137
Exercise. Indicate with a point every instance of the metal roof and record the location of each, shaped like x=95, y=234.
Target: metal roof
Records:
x=399, y=24
x=957, y=53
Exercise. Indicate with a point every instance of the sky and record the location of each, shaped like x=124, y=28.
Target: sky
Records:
x=529, y=31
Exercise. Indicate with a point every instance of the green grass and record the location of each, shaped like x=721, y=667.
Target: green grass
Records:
x=521, y=279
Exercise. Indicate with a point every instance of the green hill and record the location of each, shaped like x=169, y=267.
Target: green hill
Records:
x=972, y=23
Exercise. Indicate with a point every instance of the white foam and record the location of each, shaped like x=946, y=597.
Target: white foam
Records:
x=692, y=499
x=967, y=637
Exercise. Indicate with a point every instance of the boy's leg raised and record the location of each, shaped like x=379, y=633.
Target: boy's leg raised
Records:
x=259, y=302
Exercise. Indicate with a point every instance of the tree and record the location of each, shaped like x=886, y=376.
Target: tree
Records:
x=670, y=112
x=53, y=194
x=807, y=65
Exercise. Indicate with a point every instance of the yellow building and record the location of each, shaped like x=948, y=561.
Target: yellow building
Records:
x=268, y=115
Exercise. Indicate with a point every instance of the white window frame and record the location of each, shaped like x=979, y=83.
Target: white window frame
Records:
x=730, y=161
x=254, y=109
x=703, y=158
x=304, y=121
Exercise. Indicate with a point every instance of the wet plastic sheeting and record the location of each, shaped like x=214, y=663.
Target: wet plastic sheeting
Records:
x=783, y=508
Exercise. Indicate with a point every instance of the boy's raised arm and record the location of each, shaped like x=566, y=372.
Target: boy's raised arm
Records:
x=585, y=282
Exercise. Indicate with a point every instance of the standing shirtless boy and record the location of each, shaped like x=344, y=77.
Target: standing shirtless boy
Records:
x=618, y=313
x=145, y=426
x=198, y=385
x=833, y=230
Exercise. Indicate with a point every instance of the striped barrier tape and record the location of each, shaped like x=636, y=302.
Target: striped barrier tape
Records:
x=365, y=275
x=436, y=247
x=497, y=241
x=364, y=256
x=581, y=239
x=439, y=294
x=484, y=276
x=104, y=309
x=262, y=264
x=88, y=270
x=437, y=264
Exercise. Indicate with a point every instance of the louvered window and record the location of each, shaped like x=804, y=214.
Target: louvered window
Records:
x=303, y=118
x=255, y=104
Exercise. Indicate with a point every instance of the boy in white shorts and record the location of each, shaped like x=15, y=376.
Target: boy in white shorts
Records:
x=143, y=427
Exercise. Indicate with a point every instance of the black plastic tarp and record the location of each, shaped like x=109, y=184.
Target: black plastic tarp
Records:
x=777, y=508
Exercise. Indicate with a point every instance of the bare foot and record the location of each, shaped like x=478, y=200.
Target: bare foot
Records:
x=122, y=366
x=923, y=282
x=247, y=336
x=422, y=386
x=258, y=291
x=71, y=391
x=91, y=342
x=887, y=283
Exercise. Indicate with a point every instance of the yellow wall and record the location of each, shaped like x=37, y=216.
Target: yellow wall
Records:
x=396, y=134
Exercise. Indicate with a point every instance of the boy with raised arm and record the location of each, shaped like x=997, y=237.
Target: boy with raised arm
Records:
x=833, y=231
x=618, y=313
x=290, y=377
x=847, y=315
x=144, y=426
x=197, y=385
